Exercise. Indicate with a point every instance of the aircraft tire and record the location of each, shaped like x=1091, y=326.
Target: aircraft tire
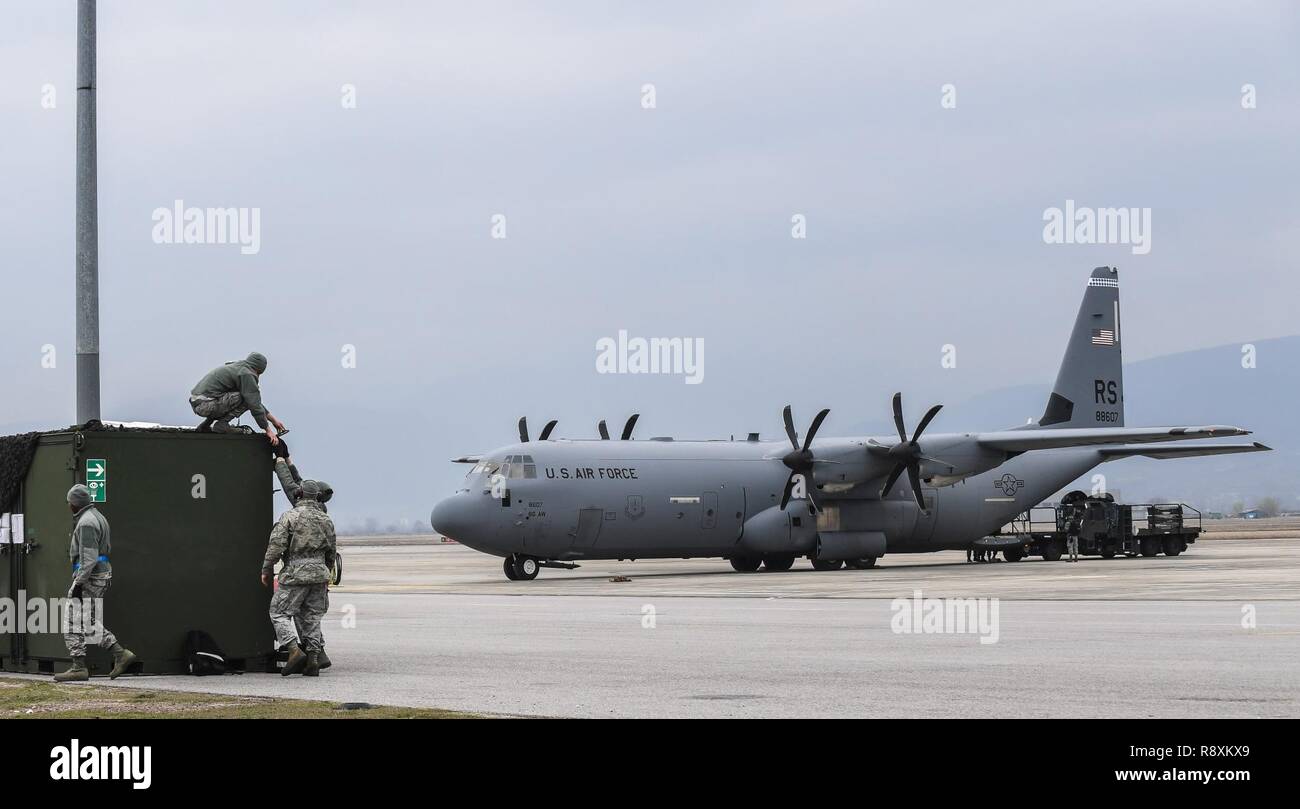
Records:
x=509, y=567
x=1054, y=550
x=526, y=567
x=1013, y=554
x=778, y=563
x=746, y=564
x=865, y=563
x=827, y=564
x=1150, y=547
x=1108, y=552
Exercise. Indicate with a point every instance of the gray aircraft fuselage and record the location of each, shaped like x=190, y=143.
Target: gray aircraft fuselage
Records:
x=673, y=499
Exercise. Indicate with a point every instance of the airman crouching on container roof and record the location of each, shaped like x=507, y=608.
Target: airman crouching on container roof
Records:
x=230, y=390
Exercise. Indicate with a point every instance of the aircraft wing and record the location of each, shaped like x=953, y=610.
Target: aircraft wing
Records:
x=1182, y=450
x=1029, y=440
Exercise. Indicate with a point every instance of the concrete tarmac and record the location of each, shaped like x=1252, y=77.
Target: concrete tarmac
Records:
x=1212, y=633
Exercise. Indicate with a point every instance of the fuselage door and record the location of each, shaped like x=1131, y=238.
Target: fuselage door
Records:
x=589, y=522
x=924, y=527
x=709, y=511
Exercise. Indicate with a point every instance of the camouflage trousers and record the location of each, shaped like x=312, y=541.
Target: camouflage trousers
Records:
x=83, y=619
x=298, y=625
x=225, y=407
x=304, y=605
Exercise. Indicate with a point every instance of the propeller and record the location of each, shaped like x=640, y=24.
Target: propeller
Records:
x=627, y=428
x=546, y=431
x=799, y=460
x=907, y=452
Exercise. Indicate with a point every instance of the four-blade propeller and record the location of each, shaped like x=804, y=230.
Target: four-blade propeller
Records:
x=906, y=454
x=799, y=460
x=627, y=428
x=523, y=430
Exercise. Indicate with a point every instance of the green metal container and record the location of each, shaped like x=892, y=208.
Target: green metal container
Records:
x=190, y=515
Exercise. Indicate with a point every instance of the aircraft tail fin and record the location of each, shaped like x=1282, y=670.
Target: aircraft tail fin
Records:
x=1089, y=390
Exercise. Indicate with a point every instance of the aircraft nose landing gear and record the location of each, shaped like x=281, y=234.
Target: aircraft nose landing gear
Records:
x=521, y=568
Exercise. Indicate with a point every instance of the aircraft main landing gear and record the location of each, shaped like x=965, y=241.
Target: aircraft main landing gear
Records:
x=779, y=563
x=861, y=564
x=746, y=564
x=827, y=564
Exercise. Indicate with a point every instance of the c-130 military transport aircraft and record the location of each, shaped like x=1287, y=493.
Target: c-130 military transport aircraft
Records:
x=555, y=502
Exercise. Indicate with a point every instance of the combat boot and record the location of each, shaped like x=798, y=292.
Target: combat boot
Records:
x=312, y=669
x=297, y=660
x=205, y=426
x=76, y=674
x=324, y=659
x=122, y=660
x=225, y=427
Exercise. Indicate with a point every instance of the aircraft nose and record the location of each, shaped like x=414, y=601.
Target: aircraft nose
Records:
x=453, y=517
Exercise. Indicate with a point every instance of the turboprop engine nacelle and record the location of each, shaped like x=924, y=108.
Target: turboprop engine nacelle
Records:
x=947, y=459
x=772, y=530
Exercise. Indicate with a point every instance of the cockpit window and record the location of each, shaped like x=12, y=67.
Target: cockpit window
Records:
x=514, y=467
x=519, y=467
x=484, y=468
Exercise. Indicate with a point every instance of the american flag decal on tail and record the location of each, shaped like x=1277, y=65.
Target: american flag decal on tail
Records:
x=1103, y=337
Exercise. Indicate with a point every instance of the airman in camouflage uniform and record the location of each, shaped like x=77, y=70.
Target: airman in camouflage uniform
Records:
x=91, y=575
x=291, y=484
x=304, y=540
x=229, y=391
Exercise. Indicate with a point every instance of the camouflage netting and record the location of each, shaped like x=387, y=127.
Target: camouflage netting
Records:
x=16, y=453
x=95, y=426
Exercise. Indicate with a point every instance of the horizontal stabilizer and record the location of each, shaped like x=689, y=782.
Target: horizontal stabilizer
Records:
x=1182, y=450
x=1029, y=440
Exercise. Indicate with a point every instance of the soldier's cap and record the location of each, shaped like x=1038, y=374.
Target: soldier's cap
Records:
x=310, y=490
x=257, y=362
x=326, y=491
x=79, y=496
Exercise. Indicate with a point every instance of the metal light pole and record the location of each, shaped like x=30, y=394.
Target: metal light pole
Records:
x=87, y=220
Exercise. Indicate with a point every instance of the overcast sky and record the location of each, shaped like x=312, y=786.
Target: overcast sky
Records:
x=924, y=222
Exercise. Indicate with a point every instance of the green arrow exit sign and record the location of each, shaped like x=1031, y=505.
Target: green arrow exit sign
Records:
x=97, y=479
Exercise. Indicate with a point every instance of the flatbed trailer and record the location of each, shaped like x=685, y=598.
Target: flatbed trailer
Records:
x=1105, y=528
